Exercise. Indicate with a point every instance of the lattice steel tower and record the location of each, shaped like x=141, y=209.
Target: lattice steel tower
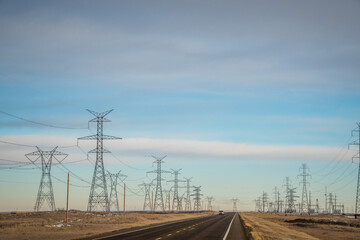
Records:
x=197, y=198
x=209, y=203
x=159, y=201
x=235, y=200
x=176, y=201
x=113, y=177
x=357, y=156
x=167, y=200
x=147, y=201
x=187, y=200
x=304, y=207
x=45, y=192
x=291, y=201
x=98, y=198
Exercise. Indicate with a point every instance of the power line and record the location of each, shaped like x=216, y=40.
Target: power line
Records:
x=39, y=123
x=33, y=146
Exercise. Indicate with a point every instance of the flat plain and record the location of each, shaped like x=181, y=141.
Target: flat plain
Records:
x=271, y=226
x=51, y=225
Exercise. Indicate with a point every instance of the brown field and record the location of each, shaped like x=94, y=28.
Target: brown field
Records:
x=280, y=226
x=50, y=225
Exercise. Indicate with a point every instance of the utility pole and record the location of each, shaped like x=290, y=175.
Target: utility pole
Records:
x=304, y=196
x=357, y=156
x=159, y=201
x=326, y=200
x=235, y=200
x=45, y=192
x=147, y=201
x=98, y=198
x=113, y=177
x=187, y=200
x=176, y=200
x=67, y=200
x=124, y=198
x=197, y=198
x=331, y=204
x=309, y=202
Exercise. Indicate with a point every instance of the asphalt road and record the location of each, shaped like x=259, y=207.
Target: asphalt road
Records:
x=211, y=227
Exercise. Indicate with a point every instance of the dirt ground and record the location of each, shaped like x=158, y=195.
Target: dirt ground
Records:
x=50, y=225
x=271, y=226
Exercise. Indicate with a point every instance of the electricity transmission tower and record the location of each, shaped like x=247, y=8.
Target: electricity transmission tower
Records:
x=113, y=177
x=147, y=201
x=98, y=198
x=291, y=207
x=235, y=200
x=176, y=200
x=187, y=200
x=167, y=200
x=264, y=201
x=197, y=198
x=45, y=192
x=277, y=200
x=258, y=204
x=304, y=197
x=209, y=203
x=357, y=156
x=159, y=201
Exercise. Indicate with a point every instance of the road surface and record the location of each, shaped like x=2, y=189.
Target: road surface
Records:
x=227, y=227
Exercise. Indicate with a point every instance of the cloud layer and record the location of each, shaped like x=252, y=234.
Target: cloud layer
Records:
x=186, y=149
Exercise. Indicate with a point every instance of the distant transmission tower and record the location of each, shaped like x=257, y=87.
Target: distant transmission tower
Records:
x=264, y=201
x=187, y=200
x=113, y=177
x=277, y=200
x=167, y=200
x=291, y=207
x=147, y=200
x=98, y=198
x=197, y=198
x=304, y=196
x=235, y=200
x=209, y=203
x=357, y=156
x=258, y=204
x=159, y=201
x=45, y=192
x=176, y=200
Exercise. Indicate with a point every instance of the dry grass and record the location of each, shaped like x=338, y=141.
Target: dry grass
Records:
x=290, y=226
x=50, y=225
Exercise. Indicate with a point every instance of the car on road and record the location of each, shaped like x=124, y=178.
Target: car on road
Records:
x=221, y=212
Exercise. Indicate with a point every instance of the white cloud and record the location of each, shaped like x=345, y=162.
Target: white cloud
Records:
x=196, y=150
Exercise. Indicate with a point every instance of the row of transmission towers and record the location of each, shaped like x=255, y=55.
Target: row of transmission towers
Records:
x=99, y=200
x=289, y=203
x=178, y=202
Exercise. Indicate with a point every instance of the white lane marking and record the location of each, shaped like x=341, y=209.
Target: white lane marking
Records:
x=228, y=230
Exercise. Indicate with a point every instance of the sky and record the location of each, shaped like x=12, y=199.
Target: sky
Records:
x=238, y=94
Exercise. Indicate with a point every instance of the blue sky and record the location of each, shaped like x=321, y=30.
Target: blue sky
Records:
x=237, y=93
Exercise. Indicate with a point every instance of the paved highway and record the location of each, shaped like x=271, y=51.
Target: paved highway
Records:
x=227, y=227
